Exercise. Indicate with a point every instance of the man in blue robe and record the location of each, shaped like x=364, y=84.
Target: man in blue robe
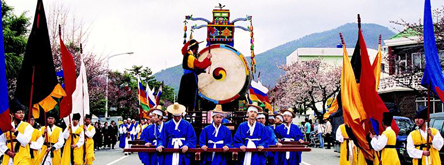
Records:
x=271, y=139
x=251, y=134
x=216, y=136
x=289, y=132
x=123, y=129
x=177, y=133
x=133, y=130
x=151, y=135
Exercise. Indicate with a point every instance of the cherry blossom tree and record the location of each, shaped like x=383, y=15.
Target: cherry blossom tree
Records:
x=307, y=83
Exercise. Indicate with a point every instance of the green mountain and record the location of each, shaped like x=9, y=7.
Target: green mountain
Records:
x=266, y=61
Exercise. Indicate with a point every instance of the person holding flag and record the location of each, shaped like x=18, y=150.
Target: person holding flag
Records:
x=36, y=140
x=251, y=134
x=90, y=131
x=54, y=140
x=417, y=141
x=215, y=135
x=289, y=132
x=347, y=148
x=74, y=135
x=386, y=142
x=150, y=135
x=17, y=152
x=177, y=133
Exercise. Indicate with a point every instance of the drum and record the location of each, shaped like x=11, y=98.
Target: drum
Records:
x=227, y=78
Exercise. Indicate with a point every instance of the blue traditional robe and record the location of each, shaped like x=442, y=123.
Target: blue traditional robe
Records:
x=151, y=135
x=122, y=135
x=210, y=137
x=295, y=134
x=225, y=121
x=271, y=141
x=259, y=138
x=131, y=130
x=184, y=135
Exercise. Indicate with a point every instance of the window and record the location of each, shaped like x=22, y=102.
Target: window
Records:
x=417, y=61
x=382, y=67
x=217, y=14
x=224, y=14
x=438, y=106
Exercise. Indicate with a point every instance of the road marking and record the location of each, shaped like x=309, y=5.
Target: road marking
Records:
x=305, y=163
x=115, y=161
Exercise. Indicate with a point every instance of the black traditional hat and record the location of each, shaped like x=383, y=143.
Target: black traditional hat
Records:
x=387, y=118
x=51, y=114
x=76, y=116
x=421, y=113
x=15, y=105
x=88, y=116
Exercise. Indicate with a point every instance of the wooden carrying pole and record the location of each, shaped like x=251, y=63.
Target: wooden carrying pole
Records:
x=192, y=150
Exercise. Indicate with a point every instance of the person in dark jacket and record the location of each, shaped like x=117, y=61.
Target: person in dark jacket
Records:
x=113, y=134
x=98, y=136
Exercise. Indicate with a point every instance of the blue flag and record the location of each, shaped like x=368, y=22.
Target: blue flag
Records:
x=433, y=77
x=5, y=124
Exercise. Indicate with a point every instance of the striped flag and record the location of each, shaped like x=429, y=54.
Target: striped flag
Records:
x=159, y=93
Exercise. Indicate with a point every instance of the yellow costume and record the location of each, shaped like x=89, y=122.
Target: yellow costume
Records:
x=36, y=134
x=22, y=156
x=389, y=155
x=53, y=140
x=420, y=144
x=347, y=147
x=142, y=127
x=89, y=152
x=77, y=151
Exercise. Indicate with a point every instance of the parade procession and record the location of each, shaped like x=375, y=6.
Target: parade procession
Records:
x=359, y=94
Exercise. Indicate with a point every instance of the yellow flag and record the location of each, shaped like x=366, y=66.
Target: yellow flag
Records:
x=353, y=110
x=377, y=67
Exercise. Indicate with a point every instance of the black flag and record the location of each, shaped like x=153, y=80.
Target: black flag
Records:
x=38, y=66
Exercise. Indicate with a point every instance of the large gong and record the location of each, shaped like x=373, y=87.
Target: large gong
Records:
x=227, y=78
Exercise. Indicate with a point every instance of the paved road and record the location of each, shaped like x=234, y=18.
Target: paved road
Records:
x=115, y=157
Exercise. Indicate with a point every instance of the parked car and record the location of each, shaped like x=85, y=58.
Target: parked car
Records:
x=405, y=126
x=437, y=121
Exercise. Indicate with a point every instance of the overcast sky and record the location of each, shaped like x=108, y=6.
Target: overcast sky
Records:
x=153, y=29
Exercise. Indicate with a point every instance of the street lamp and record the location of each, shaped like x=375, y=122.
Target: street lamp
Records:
x=107, y=70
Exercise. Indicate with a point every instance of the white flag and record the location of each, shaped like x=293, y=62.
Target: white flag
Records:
x=80, y=96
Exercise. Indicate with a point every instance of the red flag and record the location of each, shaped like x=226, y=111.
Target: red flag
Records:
x=373, y=104
x=69, y=71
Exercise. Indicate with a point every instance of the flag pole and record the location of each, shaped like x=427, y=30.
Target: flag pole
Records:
x=83, y=110
x=32, y=90
x=427, y=124
x=138, y=96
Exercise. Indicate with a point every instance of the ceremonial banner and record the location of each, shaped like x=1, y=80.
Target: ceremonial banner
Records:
x=37, y=75
x=5, y=125
x=353, y=110
x=69, y=72
x=433, y=77
x=373, y=105
x=159, y=93
x=377, y=66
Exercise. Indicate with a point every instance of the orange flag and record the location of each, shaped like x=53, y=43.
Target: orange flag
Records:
x=377, y=66
x=353, y=110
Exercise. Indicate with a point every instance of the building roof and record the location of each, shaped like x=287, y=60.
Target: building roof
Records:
x=324, y=52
